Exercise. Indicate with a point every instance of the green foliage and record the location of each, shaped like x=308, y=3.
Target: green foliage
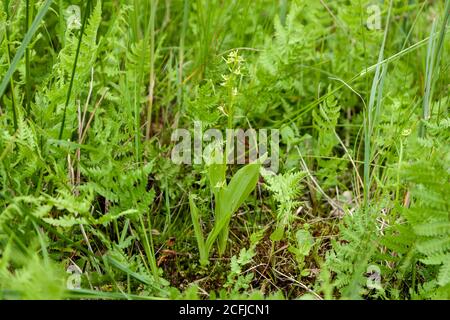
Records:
x=228, y=198
x=302, y=247
x=353, y=253
x=358, y=209
x=235, y=278
x=286, y=189
x=422, y=240
x=325, y=121
x=33, y=279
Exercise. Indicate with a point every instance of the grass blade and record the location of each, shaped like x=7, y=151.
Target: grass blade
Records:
x=26, y=40
x=69, y=91
x=198, y=231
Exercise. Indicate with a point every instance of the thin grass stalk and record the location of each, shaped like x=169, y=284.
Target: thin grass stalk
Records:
x=429, y=68
x=369, y=122
x=151, y=87
x=13, y=99
x=434, y=52
x=181, y=52
x=302, y=111
x=69, y=91
x=27, y=62
x=21, y=50
x=148, y=247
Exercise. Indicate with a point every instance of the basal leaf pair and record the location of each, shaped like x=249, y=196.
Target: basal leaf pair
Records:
x=228, y=198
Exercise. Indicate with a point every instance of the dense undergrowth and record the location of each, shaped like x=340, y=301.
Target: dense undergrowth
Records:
x=91, y=205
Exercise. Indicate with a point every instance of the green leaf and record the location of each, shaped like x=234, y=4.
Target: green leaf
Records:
x=216, y=173
x=111, y=217
x=444, y=272
x=230, y=199
x=65, y=222
x=277, y=235
x=240, y=186
x=305, y=241
x=433, y=228
x=198, y=231
x=26, y=40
